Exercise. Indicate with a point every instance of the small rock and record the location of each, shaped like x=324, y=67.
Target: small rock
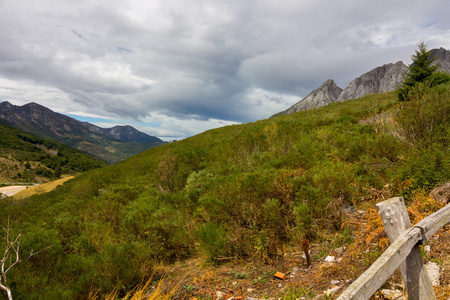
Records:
x=250, y=290
x=339, y=251
x=334, y=282
x=220, y=295
x=330, y=259
x=427, y=249
x=392, y=294
x=433, y=272
x=332, y=290
x=347, y=209
x=295, y=269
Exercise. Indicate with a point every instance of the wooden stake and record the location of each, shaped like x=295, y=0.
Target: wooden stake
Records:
x=396, y=220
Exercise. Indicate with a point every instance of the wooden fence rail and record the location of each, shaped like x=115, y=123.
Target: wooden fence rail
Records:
x=403, y=253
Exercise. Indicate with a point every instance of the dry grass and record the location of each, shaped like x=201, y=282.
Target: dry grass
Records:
x=143, y=291
x=40, y=189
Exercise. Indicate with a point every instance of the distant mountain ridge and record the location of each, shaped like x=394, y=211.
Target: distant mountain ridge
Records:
x=27, y=158
x=381, y=79
x=109, y=144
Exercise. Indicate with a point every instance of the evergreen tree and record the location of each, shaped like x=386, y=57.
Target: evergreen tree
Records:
x=420, y=70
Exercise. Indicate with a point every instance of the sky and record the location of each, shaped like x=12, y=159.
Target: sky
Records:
x=174, y=68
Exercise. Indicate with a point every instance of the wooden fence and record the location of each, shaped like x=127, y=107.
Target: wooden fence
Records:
x=403, y=253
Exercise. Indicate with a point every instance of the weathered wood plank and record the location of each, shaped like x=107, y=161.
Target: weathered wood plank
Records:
x=434, y=222
x=375, y=276
x=395, y=219
x=372, y=279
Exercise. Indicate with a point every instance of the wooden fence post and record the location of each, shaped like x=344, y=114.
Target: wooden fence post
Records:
x=396, y=220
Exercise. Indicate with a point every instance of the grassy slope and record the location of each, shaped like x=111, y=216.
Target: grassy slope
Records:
x=241, y=191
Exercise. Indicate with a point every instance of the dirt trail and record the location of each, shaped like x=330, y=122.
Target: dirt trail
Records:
x=12, y=190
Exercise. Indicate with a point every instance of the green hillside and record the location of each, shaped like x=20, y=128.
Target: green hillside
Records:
x=27, y=158
x=237, y=193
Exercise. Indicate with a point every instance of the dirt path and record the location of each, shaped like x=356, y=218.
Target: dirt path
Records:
x=12, y=190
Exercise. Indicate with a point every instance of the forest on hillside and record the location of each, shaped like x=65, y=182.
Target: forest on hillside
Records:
x=27, y=158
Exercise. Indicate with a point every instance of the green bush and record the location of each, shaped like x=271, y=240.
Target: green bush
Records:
x=424, y=170
x=214, y=240
x=425, y=119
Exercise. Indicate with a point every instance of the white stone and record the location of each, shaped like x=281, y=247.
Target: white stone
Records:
x=427, y=249
x=334, y=282
x=332, y=290
x=330, y=259
x=433, y=272
x=220, y=295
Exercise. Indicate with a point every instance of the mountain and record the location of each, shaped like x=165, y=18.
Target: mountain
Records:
x=27, y=158
x=388, y=77
x=108, y=144
x=379, y=80
x=441, y=57
x=327, y=93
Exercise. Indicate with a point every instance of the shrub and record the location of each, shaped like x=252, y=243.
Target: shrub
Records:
x=214, y=241
x=424, y=170
x=425, y=119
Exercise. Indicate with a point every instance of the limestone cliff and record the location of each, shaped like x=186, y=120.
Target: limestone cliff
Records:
x=441, y=58
x=379, y=80
x=327, y=93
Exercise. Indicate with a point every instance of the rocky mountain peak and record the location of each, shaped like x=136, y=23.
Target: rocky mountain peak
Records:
x=379, y=80
x=327, y=93
x=441, y=58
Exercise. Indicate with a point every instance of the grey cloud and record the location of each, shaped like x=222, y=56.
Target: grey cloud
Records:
x=201, y=60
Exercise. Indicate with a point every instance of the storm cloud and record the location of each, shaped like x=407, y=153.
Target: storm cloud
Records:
x=176, y=68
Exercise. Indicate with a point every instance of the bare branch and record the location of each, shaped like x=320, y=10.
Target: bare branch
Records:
x=7, y=262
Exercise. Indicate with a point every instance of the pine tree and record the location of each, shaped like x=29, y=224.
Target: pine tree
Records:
x=419, y=71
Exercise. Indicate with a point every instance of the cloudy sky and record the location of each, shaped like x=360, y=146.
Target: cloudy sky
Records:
x=176, y=68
